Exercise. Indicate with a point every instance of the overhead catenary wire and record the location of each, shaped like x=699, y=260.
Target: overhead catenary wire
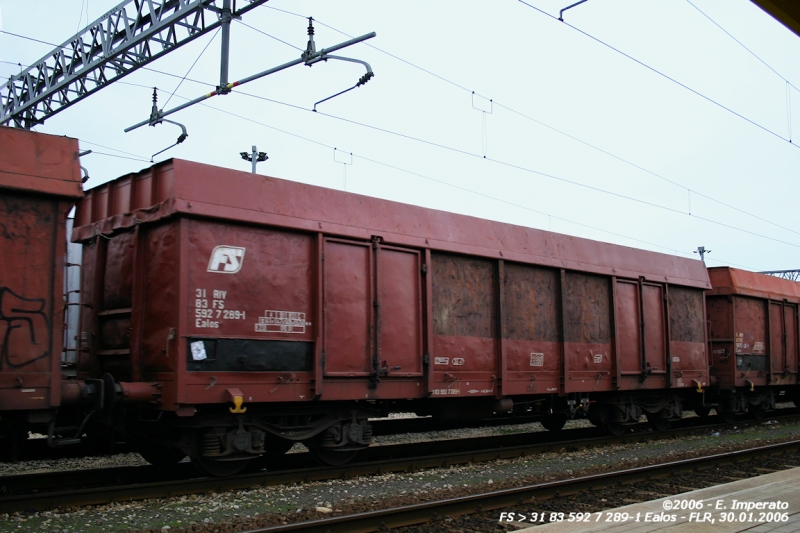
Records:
x=529, y=170
x=552, y=128
x=470, y=154
x=190, y=68
x=526, y=169
x=465, y=189
x=662, y=74
x=729, y=34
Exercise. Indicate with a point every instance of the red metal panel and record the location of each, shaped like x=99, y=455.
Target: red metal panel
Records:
x=159, y=352
x=247, y=282
x=629, y=340
x=654, y=334
x=347, y=308
x=531, y=330
x=750, y=338
x=202, y=190
x=464, y=317
x=31, y=298
x=777, y=350
x=726, y=280
x=750, y=326
x=790, y=314
x=587, y=333
x=722, y=358
x=687, y=332
x=400, y=311
x=36, y=162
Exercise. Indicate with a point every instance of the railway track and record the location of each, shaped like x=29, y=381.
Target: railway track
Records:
x=537, y=496
x=59, y=489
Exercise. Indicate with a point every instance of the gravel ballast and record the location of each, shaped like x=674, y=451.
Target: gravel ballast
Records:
x=260, y=506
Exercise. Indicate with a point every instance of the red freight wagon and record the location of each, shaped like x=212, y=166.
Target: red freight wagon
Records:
x=753, y=332
x=259, y=311
x=39, y=183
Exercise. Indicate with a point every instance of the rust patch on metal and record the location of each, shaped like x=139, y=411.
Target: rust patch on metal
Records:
x=531, y=303
x=587, y=309
x=463, y=296
x=686, y=321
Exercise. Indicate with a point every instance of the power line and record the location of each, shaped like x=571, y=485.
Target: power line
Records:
x=465, y=189
x=726, y=32
x=190, y=68
x=585, y=143
x=525, y=169
x=268, y=35
x=652, y=69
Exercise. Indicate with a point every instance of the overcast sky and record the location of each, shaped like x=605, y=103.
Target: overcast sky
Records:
x=578, y=138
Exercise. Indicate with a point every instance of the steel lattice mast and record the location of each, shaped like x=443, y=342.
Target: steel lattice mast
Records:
x=123, y=40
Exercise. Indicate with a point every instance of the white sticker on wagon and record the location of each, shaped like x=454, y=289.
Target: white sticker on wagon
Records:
x=275, y=321
x=458, y=361
x=598, y=358
x=198, y=351
x=441, y=360
x=537, y=359
x=226, y=259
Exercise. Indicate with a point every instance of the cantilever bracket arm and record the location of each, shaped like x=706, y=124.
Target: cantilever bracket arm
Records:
x=182, y=137
x=306, y=59
x=361, y=81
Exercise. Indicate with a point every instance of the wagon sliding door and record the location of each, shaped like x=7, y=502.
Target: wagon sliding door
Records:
x=641, y=334
x=372, y=310
x=783, y=342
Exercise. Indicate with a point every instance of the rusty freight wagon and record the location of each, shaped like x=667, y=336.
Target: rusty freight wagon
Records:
x=39, y=183
x=753, y=330
x=256, y=312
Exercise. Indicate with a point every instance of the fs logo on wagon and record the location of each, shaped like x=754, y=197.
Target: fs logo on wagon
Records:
x=226, y=259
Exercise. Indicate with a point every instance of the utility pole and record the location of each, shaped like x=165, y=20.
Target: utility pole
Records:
x=702, y=251
x=255, y=157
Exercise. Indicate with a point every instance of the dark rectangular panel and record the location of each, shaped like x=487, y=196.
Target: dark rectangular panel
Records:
x=463, y=296
x=531, y=303
x=347, y=304
x=720, y=316
x=400, y=311
x=654, y=334
x=588, y=309
x=247, y=355
x=629, y=339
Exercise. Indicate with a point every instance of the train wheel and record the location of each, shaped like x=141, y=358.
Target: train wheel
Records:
x=330, y=456
x=161, y=457
x=725, y=412
x=757, y=411
x=702, y=411
x=657, y=422
x=554, y=422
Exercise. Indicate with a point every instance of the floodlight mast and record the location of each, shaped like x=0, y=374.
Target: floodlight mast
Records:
x=126, y=38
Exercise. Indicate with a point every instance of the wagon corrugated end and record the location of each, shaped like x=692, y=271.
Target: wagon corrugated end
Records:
x=242, y=313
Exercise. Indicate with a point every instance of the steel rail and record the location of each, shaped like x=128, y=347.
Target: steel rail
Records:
x=377, y=460
x=424, y=512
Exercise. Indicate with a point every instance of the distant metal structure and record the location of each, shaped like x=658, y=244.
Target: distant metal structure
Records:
x=126, y=38
x=792, y=275
x=702, y=251
x=255, y=157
